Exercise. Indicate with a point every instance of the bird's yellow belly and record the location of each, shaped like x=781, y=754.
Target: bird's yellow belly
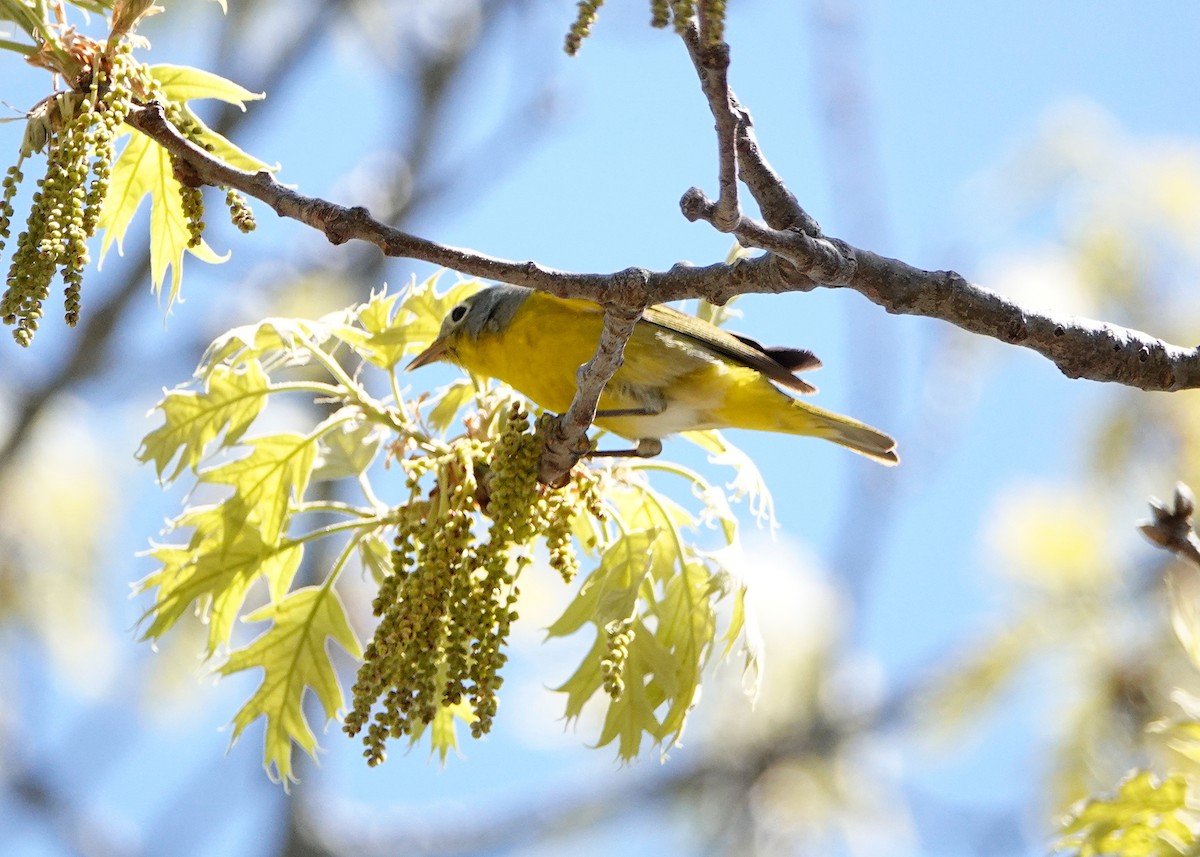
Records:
x=541, y=359
x=682, y=387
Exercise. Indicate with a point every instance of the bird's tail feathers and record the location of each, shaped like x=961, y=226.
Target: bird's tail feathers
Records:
x=850, y=433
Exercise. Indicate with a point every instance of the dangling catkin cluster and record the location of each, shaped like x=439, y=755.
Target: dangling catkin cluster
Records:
x=446, y=608
x=240, y=214
x=683, y=13
x=612, y=665
x=585, y=16
x=78, y=130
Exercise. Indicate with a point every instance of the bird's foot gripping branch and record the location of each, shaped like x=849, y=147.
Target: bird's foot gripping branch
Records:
x=449, y=525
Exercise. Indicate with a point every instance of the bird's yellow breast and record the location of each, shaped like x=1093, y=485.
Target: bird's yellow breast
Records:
x=548, y=339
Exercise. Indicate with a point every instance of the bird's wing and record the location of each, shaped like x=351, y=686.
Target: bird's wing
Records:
x=777, y=364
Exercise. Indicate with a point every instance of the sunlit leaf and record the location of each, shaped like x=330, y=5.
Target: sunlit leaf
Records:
x=375, y=553
x=739, y=631
x=224, y=149
x=385, y=340
x=748, y=482
x=632, y=716
x=450, y=399
x=144, y=168
x=270, y=479
x=1147, y=817
x=293, y=657
x=429, y=307
x=611, y=590
x=347, y=451
x=673, y=627
x=229, y=403
x=182, y=83
x=443, y=737
x=686, y=630
x=213, y=573
x=275, y=342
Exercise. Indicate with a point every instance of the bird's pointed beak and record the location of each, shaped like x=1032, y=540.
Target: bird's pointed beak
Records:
x=435, y=352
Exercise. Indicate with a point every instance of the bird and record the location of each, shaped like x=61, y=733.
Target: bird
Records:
x=680, y=373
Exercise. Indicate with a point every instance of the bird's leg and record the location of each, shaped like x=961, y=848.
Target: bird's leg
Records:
x=628, y=412
x=653, y=403
x=647, y=447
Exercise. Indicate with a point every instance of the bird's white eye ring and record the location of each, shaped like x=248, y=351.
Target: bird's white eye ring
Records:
x=456, y=314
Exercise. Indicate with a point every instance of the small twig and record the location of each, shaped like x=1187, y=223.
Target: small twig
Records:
x=779, y=206
x=712, y=64
x=822, y=261
x=1171, y=528
x=568, y=442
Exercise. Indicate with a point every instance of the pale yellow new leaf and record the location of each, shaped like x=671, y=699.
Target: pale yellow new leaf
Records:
x=347, y=450
x=276, y=342
x=213, y=573
x=293, y=656
x=144, y=168
x=1147, y=817
x=611, y=591
x=449, y=400
x=230, y=401
x=384, y=339
x=183, y=83
x=747, y=483
x=270, y=480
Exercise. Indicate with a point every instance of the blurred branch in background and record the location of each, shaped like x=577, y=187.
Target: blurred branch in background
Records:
x=856, y=176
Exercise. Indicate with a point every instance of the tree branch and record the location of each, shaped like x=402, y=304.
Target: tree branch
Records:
x=1081, y=348
x=778, y=205
x=567, y=443
x=712, y=66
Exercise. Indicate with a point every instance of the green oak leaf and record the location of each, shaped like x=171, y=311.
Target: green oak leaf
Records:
x=1147, y=817
x=144, y=168
x=347, y=450
x=183, y=83
x=276, y=342
x=384, y=339
x=449, y=401
x=665, y=593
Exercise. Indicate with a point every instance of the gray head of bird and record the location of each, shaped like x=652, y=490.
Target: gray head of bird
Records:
x=489, y=310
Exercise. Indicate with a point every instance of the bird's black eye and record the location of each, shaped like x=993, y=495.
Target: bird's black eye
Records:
x=456, y=314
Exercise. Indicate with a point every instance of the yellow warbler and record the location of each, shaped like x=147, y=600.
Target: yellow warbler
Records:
x=680, y=372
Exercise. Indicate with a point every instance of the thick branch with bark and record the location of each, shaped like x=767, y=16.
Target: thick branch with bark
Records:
x=1080, y=347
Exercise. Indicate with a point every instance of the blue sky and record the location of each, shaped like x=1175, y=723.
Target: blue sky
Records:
x=952, y=90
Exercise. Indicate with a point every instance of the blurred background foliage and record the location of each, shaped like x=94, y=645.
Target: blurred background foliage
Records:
x=955, y=654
